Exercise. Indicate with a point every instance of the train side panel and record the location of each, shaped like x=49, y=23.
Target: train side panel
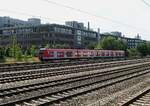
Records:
x=52, y=54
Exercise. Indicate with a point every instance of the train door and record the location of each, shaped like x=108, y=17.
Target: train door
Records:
x=79, y=54
x=75, y=54
x=51, y=54
x=84, y=53
x=111, y=54
x=55, y=54
x=97, y=53
x=100, y=53
x=103, y=53
x=107, y=53
x=69, y=54
x=60, y=54
x=92, y=53
x=114, y=53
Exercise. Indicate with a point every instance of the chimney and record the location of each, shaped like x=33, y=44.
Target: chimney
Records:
x=88, y=25
x=99, y=36
x=98, y=30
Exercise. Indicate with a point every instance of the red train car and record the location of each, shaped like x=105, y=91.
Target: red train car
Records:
x=57, y=54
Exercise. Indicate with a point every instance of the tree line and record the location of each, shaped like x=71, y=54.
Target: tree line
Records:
x=107, y=43
x=16, y=51
x=113, y=43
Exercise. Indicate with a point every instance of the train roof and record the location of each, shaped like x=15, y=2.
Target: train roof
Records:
x=80, y=49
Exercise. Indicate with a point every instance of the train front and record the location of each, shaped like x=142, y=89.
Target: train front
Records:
x=41, y=54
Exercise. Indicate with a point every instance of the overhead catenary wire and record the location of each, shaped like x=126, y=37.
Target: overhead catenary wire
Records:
x=79, y=10
x=28, y=14
x=37, y=16
x=146, y=3
x=94, y=15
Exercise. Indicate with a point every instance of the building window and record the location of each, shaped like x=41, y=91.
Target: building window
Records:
x=79, y=32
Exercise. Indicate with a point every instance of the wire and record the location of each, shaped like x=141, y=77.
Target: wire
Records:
x=146, y=3
x=28, y=14
x=31, y=15
x=98, y=16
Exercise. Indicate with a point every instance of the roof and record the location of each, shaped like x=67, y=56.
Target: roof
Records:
x=48, y=25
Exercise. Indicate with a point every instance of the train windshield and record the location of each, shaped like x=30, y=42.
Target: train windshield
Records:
x=41, y=52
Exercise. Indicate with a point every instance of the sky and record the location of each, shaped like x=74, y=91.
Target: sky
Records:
x=127, y=16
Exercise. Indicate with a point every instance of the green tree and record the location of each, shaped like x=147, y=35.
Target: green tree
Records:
x=63, y=46
x=111, y=43
x=2, y=53
x=14, y=50
x=91, y=45
x=133, y=52
x=148, y=47
x=8, y=51
x=32, y=50
x=98, y=45
x=48, y=46
x=121, y=45
x=143, y=49
x=26, y=56
x=18, y=52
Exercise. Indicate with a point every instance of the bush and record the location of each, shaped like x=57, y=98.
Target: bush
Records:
x=133, y=53
x=111, y=43
x=2, y=53
x=143, y=49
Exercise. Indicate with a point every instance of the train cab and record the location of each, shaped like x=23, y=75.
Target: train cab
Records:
x=42, y=53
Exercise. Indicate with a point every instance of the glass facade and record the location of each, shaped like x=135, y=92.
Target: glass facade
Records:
x=52, y=33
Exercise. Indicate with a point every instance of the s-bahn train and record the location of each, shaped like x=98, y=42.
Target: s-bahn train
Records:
x=70, y=54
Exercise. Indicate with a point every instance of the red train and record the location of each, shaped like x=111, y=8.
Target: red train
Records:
x=57, y=54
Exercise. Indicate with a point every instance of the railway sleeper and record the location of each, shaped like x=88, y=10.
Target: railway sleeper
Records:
x=83, y=89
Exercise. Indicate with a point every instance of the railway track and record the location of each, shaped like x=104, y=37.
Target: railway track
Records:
x=55, y=63
x=6, y=77
x=140, y=99
x=29, y=66
x=20, y=66
x=68, y=86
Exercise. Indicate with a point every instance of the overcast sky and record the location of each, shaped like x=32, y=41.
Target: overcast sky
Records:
x=133, y=14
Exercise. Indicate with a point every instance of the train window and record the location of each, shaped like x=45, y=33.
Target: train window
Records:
x=112, y=54
x=51, y=53
x=116, y=53
x=97, y=54
x=107, y=53
x=103, y=54
x=119, y=53
x=92, y=54
x=69, y=54
x=41, y=52
x=100, y=53
x=76, y=53
x=86, y=53
x=79, y=53
x=60, y=53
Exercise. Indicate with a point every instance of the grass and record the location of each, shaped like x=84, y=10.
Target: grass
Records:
x=28, y=59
